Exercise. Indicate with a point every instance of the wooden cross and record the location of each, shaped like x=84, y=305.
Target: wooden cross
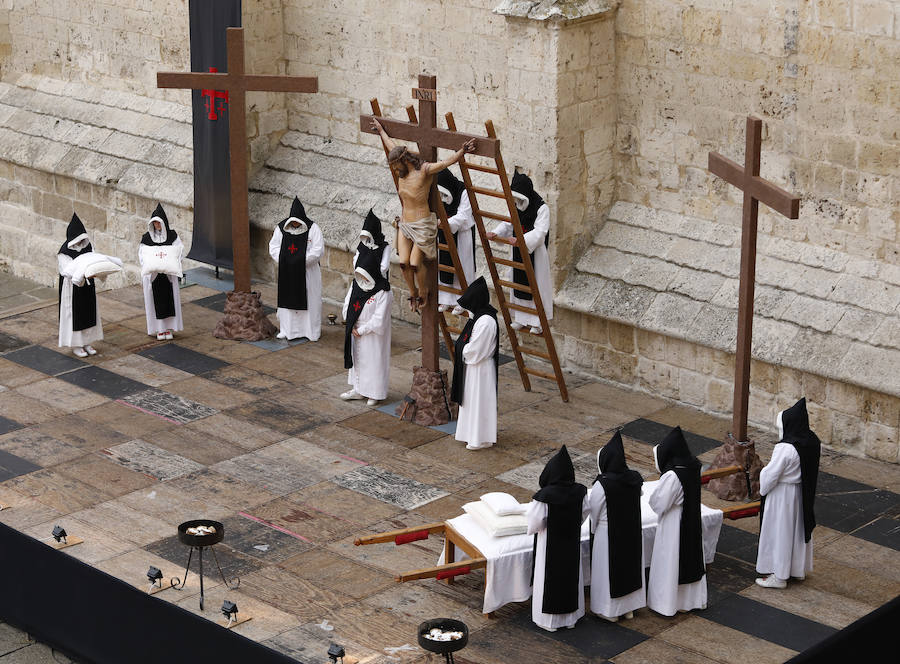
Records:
x=237, y=83
x=755, y=190
x=429, y=138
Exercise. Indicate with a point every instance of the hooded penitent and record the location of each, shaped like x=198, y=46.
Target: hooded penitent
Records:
x=673, y=454
x=292, y=259
x=622, y=487
x=564, y=498
x=521, y=184
x=84, y=298
x=163, y=293
x=367, y=281
x=795, y=422
x=371, y=237
x=449, y=187
x=477, y=301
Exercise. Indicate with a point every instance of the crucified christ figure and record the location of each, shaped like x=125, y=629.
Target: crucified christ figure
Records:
x=417, y=224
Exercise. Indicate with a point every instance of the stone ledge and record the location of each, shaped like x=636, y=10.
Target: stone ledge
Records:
x=675, y=275
x=547, y=10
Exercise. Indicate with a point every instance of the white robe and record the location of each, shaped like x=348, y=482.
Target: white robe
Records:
x=461, y=223
x=782, y=549
x=295, y=323
x=477, y=420
x=67, y=336
x=601, y=602
x=536, y=516
x=156, y=325
x=370, y=374
x=534, y=240
x=664, y=594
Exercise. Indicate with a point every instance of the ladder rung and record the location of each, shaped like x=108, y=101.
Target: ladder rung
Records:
x=537, y=353
x=494, y=215
x=443, y=247
x=541, y=374
x=450, y=289
x=506, y=261
x=527, y=310
x=446, y=268
x=510, y=284
x=478, y=167
x=489, y=192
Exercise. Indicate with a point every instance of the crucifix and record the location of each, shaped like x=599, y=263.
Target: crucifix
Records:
x=755, y=189
x=244, y=318
x=429, y=138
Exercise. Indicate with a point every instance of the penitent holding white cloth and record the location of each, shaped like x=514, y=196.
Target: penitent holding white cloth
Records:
x=601, y=601
x=540, y=258
x=67, y=336
x=476, y=423
x=295, y=323
x=783, y=549
x=508, y=572
x=371, y=351
x=664, y=594
x=156, y=325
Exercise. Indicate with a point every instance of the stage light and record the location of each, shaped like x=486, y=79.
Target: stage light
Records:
x=229, y=610
x=336, y=652
x=59, y=534
x=154, y=576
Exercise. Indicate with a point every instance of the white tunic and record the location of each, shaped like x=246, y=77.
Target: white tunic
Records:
x=664, y=594
x=371, y=352
x=295, y=323
x=477, y=420
x=156, y=325
x=537, y=523
x=601, y=602
x=534, y=240
x=67, y=336
x=461, y=223
x=782, y=549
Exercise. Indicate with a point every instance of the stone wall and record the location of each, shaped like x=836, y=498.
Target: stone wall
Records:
x=822, y=74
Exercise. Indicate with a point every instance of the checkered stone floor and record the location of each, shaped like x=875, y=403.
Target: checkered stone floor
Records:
x=121, y=447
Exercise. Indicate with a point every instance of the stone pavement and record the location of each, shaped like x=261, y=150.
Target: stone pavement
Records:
x=121, y=447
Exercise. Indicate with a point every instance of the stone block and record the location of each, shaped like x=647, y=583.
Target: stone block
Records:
x=621, y=337
x=847, y=433
x=670, y=314
x=657, y=377
x=57, y=207
x=719, y=395
x=623, y=303
x=692, y=387
x=873, y=17
x=881, y=442
x=594, y=329
x=612, y=365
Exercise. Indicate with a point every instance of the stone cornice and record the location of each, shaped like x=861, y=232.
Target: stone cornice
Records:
x=557, y=10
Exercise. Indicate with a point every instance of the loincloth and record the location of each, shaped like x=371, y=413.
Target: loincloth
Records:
x=422, y=233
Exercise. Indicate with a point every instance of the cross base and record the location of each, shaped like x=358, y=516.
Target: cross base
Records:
x=430, y=393
x=734, y=487
x=244, y=318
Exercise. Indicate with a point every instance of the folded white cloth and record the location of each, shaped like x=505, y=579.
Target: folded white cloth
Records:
x=503, y=504
x=496, y=526
x=92, y=264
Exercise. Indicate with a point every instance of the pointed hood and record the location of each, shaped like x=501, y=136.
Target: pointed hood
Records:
x=477, y=299
x=298, y=213
x=371, y=229
x=673, y=451
x=75, y=233
x=557, y=480
x=165, y=236
x=370, y=267
x=522, y=184
x=454, y=188
x=611, y=463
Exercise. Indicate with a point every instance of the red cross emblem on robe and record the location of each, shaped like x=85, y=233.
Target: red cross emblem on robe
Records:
x=292, y=248
x=357, y=306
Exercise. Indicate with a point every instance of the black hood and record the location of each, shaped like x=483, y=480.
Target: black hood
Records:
x=455, y=186
x=795, y=421
x=611, y=463
x=74, y=231
x=297, y=212
x=674, y=451
x=477, y=299
x=372, y=226
x=159, y=213
x=557, y=480
x=522, y=184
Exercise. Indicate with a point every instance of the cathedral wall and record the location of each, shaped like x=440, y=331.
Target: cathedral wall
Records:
x=821, y=74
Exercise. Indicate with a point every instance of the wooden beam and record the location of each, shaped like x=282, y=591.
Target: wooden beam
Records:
x=389, y=536
x=432, y=572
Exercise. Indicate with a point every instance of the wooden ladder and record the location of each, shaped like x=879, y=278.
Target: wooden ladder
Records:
x=512, y=216
x=450, y=246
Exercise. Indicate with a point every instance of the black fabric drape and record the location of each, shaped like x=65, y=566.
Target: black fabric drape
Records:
x=476, y=300
x=292, y=270
x=84, y=298
x=371, y=266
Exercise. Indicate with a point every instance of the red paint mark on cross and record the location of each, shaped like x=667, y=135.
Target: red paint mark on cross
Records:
x=292, y=248
x=214, y=95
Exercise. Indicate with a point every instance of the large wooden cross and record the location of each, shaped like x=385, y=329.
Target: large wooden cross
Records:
x=237, y=83
x=755, y=189
x=429, y=138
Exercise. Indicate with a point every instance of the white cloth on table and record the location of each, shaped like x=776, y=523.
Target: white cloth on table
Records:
x=508, y=572
x=67, y=336
x=461, y=224
x=601, y=601
x=664, y=594
x=156, y=325
x=537, y=525
x=371, y=351
x=540, y=259
x=476, y=423
x=296, y=323
x=783, y=549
